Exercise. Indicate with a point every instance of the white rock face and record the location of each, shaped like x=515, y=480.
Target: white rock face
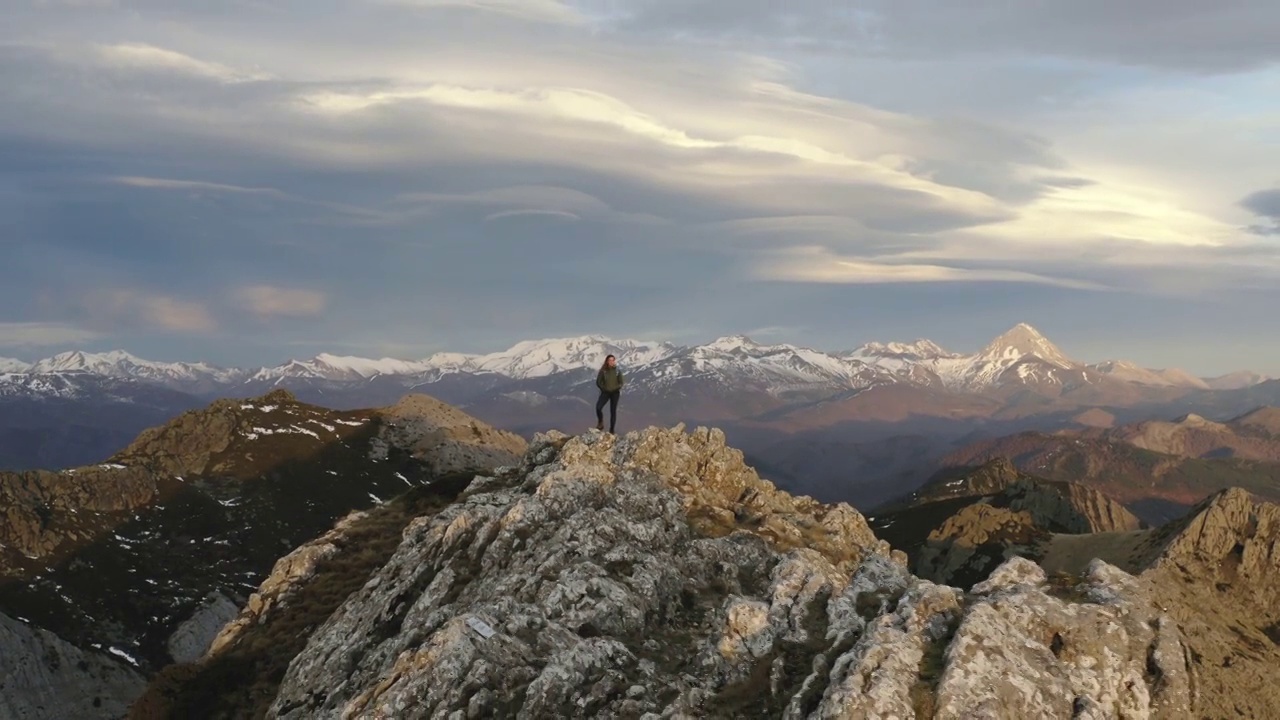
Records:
x=655, y=576
x=43, y=676
x=193, y=637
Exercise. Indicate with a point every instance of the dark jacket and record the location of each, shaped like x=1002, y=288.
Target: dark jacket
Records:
x=610, y=379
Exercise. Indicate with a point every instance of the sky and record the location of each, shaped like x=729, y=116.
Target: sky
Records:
x=246, y=181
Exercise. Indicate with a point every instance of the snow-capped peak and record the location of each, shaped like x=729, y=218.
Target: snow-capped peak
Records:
x=365, y=367
x=539, y=358
x=108, y=363
x=121, y=364
x=9, y=365
x=1022, y=340
x=919, y=350
x=732, y=343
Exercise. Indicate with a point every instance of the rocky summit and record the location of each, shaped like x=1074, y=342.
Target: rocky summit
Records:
x=655, y=575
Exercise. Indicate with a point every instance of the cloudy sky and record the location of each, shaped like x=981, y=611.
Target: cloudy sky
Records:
x=245, y=181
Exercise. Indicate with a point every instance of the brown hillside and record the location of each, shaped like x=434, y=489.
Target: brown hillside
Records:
x=143, y=555
x=887, y=403
x=1214, y=571
x=1143, y=480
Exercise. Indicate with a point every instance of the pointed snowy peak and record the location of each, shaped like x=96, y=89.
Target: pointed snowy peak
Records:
x=1022, y=340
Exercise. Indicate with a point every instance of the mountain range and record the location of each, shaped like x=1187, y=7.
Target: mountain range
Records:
x=266, y=557
x=1022, y=356
x=854, y=425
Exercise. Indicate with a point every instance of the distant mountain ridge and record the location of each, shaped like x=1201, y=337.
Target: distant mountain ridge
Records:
x=1020, y=356
x=818, y=419
x=1161, y=466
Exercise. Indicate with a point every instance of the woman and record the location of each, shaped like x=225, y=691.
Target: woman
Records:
x=609, y=379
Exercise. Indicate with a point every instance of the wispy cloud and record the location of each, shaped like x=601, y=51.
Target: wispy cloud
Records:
x=268, y=301
x=536, y=10
x=132, y=309
x=40, y=334
x=141, y=56
x=630, y=162
x=817, y=265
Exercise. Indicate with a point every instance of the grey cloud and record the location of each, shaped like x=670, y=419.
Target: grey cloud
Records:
x=1181, y=34
x=1265, y=204
x=1066, y=182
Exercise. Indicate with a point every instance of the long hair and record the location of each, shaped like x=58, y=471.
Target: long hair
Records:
x=605, y=364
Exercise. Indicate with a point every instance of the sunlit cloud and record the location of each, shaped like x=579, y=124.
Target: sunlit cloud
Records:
x=41, y=334
x=267, y=301
x=818, y=265
x=141, y=56
x=115, y=309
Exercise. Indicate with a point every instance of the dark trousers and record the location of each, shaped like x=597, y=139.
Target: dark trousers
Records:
x=612, y=399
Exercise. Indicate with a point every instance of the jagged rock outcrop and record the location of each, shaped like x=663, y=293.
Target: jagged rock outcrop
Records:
x=1021, y=652
x=448, y=440
x=1231, y=536
x=43, y=676
x=289, y=572
x=962, y=525
x=44, y=512
x=1213, y=573
x=654, y=575
x=966, y=547
x=192, y=638
x=1069, y=507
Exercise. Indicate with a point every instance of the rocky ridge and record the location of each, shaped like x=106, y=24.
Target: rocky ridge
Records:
x=1214, y=572
x=1156, y=486
x=79, y=683
x=143, y=559
x=965, y=522
x=655, y=575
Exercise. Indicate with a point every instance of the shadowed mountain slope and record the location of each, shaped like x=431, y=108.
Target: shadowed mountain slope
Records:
x=143, y=558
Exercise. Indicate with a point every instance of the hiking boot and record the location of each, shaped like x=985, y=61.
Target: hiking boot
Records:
x=599, y=424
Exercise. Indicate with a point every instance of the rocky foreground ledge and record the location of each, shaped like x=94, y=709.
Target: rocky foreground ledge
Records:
x=656, y=576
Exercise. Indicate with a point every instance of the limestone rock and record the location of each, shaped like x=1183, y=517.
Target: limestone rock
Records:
x=43, y=676
x=1021, y=652
x=656, y=576
x=1232, y=533
x=1069, y=507
x=45, y=512
x=192, y=638
x=992, y=513
x=447, y=439
x=971, y=543
x=286, y=575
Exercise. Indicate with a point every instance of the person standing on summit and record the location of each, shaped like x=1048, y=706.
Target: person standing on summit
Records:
x=609, y=379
